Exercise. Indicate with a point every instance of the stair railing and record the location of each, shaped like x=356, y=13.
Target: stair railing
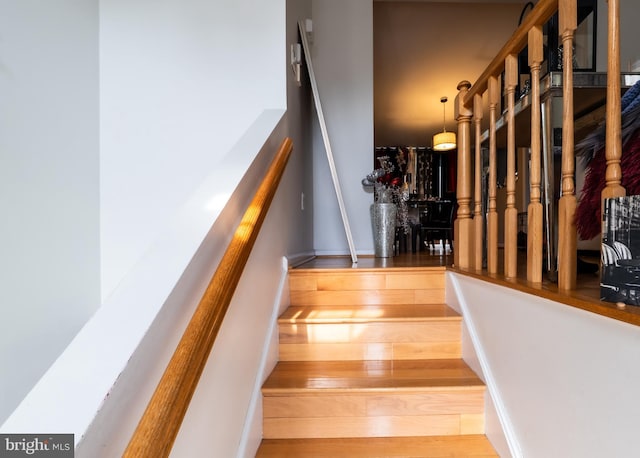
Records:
x=160, y=423
x=529, y=34
x=613, y=145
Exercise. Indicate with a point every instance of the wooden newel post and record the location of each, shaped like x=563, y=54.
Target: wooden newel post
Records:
x=478, y=220
x=463, y=226
x=567, y=239
x=492, y=211
x=511, y=212
x=613, y=145
x=534, y=211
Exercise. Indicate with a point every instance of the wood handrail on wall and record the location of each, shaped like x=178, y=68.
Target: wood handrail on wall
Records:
x=161, y=421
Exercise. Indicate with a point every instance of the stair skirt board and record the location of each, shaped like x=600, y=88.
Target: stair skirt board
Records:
x=508, y=434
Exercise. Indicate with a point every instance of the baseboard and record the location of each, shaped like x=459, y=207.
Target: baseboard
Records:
x=296, y=260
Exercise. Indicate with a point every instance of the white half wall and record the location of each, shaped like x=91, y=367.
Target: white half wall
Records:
x=98, y=388
x=342, y=55
x=492, y=426
x=49, y=185
x=562, y=379
x=180, y=82
x=629, y=46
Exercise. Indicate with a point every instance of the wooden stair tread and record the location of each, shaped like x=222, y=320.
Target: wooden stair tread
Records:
x=475, y=445
x=376, y=375
x=328, y=266
x=376, y=354
x=368, y=313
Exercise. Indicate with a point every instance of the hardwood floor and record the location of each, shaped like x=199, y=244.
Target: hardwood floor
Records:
x=586, y=296
x=346, y=387
x=386, y=331
x=469, y=446
x=370, y=365
x=340, y=376
x=419, y=259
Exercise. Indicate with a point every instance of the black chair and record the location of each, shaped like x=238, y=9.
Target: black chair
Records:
x=437, y=223
x=406, y=241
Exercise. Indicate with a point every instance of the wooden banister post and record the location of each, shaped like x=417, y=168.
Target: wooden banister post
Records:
x=567, y=239
x=534, y=211
x=478, y=226
x=613, y=145
x=463, y=227
x=511, y=212
x=492, y=212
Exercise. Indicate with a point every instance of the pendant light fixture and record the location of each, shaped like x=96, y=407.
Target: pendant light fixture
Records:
x=444, y=141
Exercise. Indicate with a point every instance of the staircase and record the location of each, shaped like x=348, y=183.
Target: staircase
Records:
x=370, y=365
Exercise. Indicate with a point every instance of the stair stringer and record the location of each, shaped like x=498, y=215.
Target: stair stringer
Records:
x=498, y=425
x=252, y=431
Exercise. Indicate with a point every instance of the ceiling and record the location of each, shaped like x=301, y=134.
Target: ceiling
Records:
x=422, y=50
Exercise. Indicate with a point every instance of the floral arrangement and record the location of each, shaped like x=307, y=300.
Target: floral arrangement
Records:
x=389, y=187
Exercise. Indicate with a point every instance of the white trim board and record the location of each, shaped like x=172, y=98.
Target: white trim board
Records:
x=325, y=138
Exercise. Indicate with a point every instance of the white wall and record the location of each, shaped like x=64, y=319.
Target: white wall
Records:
x=492, y=426
x=49, y=191
x=342, y=53
x=629, y=47
x=100, y=385
x=562, y=378
x=164, y=120
x=221, y=404
x=228, y=401
x=133, y=334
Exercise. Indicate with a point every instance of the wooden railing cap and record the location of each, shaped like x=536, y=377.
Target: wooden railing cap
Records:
x=464, y=84
x=540, y=14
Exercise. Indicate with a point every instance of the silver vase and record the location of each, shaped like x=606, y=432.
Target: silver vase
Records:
x=383, y=223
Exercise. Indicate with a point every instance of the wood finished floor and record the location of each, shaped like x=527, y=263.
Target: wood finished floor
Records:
x=350, y=376
x=468, y=446
x=398, y=394
x=586, y=296
x=588, y=283
x=367, y=313
x=420, y=259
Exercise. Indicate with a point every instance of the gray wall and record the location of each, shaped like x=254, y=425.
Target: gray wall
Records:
x=342, y=52
x=300, y=119
x=629, y=44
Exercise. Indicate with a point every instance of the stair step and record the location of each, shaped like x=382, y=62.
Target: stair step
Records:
x=367, y=286
x=472, y=446
x=371, y=353
x=357, y=375
x=368, y=313
x=372, y=399
x=372, y=332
